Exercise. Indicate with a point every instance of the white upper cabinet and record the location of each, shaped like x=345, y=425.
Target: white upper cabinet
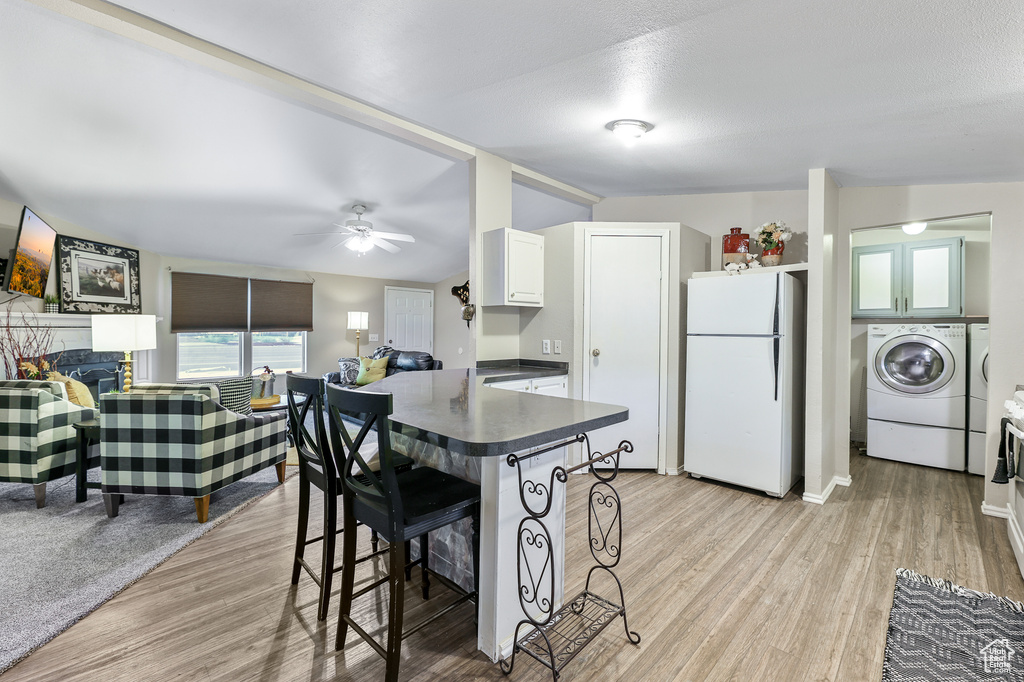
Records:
x=513, y=268
x=910, y=279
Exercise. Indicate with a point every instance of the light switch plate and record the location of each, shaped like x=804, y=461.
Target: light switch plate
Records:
x=374, y=337
x=546, y=346
x=558, y=346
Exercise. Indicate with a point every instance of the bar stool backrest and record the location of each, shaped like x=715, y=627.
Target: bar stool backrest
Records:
x=377, y=495
x=305, y=399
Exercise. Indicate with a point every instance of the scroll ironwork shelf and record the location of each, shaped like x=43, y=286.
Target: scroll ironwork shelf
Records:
x=555, y=636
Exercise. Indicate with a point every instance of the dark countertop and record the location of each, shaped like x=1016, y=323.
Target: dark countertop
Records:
x=512, y=370
x=456, y=410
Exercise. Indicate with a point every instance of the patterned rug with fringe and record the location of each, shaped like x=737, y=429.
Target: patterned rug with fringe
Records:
x=941, y=631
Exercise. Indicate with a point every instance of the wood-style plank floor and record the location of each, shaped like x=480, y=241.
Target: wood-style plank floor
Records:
x=722, y=584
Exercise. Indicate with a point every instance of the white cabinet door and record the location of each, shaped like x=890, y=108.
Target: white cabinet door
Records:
x=556, y=386
x=932, y=283
x=877, y=280
x=521, y=385
x=525, y=263
x=513, y=272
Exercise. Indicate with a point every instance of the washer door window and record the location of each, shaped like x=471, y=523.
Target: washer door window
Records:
x=914, y=364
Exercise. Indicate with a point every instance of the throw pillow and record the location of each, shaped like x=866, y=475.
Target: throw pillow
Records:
x=236, y=394
x=349, y=370
x=371, y=370
x=78, y=393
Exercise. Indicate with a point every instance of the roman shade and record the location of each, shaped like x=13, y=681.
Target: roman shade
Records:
x=203, y=303
x=281, y=306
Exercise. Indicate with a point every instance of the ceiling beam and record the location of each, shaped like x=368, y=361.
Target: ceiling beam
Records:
x=159, y=36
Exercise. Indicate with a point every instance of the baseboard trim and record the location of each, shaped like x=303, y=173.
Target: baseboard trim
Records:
x=820, y=499
x=999, y=512
x=1013, y=529
x=674, y=471
x=845, y=481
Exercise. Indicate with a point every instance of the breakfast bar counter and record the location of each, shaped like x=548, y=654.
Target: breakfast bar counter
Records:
x=452, y=420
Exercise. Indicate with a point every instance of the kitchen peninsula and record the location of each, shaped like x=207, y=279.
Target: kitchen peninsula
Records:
x=455, y=421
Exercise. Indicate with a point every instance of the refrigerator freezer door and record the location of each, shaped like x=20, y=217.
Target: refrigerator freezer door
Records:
x=734, y=424
x=738, y=305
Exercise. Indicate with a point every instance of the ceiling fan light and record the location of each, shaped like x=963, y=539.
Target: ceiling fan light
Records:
x=361, y=243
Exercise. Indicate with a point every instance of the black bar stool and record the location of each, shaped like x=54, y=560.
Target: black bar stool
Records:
x=399, y=505
x=317, y=466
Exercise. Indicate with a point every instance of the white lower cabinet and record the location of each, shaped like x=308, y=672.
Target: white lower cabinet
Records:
x=557, y=386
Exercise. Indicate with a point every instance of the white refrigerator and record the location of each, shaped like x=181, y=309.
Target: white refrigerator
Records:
x=744, y=380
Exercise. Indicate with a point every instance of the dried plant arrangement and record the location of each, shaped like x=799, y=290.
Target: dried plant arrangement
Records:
x=24, y=344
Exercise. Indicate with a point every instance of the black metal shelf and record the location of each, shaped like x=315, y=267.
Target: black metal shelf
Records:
x=554, y=637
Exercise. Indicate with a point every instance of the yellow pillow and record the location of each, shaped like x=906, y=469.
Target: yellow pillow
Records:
x=78, y=393
x=371, y=370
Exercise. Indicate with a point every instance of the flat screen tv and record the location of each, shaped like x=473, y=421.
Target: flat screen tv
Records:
x=29, y=267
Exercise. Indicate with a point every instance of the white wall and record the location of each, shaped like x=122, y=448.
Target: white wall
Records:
x=451, y=333
x=714, y=214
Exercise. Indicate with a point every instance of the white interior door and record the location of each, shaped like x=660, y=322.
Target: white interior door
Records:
x=409, y=318
x=625, y=314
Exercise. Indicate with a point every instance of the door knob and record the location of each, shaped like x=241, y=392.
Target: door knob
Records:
x=595, y=352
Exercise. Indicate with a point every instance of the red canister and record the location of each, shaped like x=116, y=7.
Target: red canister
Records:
x=735, y=246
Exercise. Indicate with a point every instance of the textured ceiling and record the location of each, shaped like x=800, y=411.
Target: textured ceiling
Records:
x=745, y=95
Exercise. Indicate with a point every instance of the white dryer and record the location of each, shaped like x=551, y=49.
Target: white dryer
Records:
x=978, y=390
x=917, y=394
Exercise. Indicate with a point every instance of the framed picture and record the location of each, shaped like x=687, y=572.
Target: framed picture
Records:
x=97, y=278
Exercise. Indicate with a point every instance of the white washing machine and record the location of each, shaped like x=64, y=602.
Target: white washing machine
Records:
x=977, y=406
x=917, y=394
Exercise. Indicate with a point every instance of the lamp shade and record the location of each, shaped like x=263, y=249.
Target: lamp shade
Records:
x=358, y=320
x=123, y=332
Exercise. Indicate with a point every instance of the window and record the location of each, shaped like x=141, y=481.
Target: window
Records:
x=215, y=355
x=203, y=355
x=281, y=351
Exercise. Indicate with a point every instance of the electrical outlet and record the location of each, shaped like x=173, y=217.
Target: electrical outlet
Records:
x=545, y=346
x=374, y=337
x=558, y=346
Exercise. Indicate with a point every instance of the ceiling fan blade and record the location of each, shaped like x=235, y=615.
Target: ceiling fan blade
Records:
x=345, y=227
x=311, y=234
x=395, y=236
x=387, y=246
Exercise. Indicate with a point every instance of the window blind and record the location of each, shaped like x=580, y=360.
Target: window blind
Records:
x=281, y=306
x=203, y=303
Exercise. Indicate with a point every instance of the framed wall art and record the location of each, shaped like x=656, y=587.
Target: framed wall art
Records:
x=97, y=278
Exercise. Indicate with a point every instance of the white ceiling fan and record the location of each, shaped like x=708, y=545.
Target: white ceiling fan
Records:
x=361, y=237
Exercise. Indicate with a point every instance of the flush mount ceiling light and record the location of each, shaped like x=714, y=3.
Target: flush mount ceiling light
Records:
x=914, y=228
x=629, y=129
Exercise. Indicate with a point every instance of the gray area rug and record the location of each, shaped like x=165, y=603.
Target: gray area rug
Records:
x=941, y=631
x=59, y=563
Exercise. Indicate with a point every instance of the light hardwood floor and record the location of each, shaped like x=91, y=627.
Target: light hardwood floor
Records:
x=721, y=584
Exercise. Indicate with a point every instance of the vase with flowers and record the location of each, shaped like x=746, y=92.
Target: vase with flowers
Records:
x=772, y=238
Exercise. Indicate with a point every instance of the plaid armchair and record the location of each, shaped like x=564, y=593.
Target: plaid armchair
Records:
x=37, y=436
x=172, y=439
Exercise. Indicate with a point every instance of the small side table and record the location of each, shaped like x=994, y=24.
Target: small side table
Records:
x=88, y=432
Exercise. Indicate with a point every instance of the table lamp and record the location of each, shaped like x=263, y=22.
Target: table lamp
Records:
x=358, y=321
x=124, y=333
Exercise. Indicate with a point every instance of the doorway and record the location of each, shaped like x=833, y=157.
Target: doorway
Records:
x=409, y=319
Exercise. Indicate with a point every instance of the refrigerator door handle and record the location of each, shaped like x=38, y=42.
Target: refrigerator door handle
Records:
x=775, y=325
x=776, y=345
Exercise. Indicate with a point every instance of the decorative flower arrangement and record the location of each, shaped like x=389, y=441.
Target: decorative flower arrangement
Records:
x=30, y=371
x=751, y=263
x=265, y=376
x=773, y=235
